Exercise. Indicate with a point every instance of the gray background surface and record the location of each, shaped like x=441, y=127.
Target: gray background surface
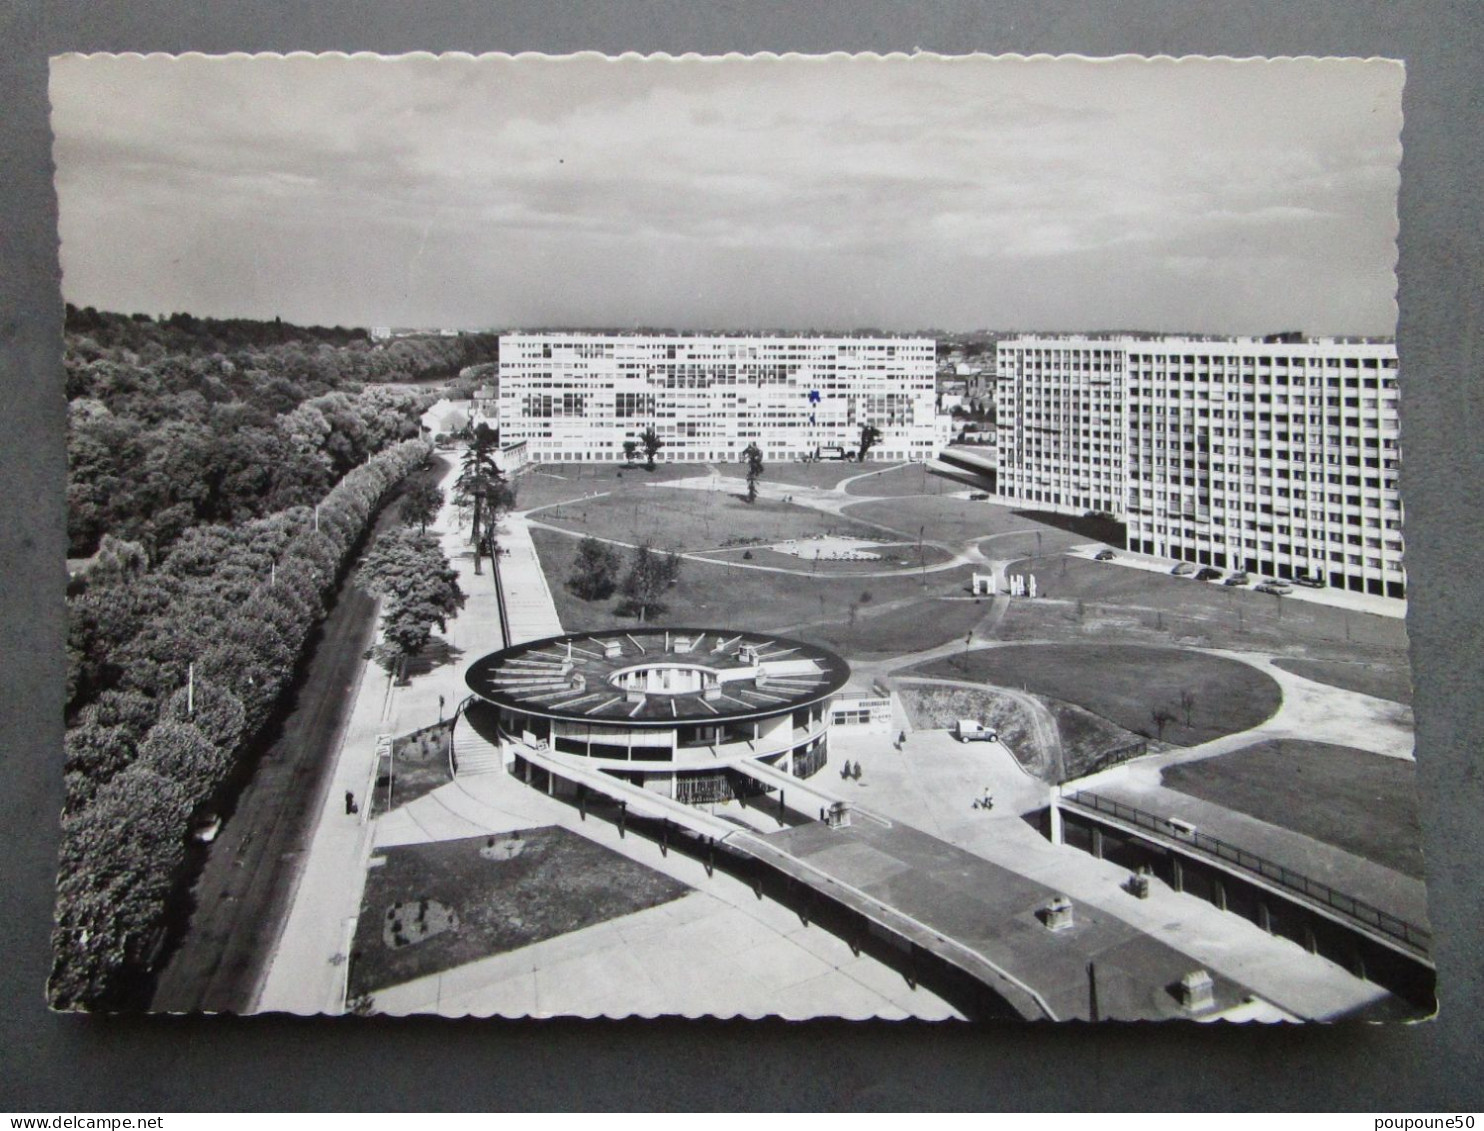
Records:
x=64, y=1063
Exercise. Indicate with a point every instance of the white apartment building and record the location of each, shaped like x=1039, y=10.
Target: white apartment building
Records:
x=1060, y=425
x=1279, y=458
x=580, y=396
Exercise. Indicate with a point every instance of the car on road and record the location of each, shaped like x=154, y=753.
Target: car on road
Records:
x=1238, y=578
x=1209, y=573
x=1276, y=588
x=1104, y=556
x=1309, y=582
x=1184, y=569
x=978, y=497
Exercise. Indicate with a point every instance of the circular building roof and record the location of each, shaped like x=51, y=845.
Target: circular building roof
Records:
x=651, y=677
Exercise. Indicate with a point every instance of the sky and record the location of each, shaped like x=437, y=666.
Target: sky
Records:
x=899, y=193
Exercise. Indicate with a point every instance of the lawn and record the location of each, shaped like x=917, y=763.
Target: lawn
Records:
x=421, y=766
x=1126, y=684
x=561, y=482
x=909, y=479
x=1384, y=680
x=952, y=520
x=826, y=473
x=901, y=615
x=908, y=625
x=684, y=519
x=432, y=907
x=1235, y=617
x=1352, y=799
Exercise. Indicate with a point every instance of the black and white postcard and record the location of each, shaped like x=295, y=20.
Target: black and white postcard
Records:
x=806, y=536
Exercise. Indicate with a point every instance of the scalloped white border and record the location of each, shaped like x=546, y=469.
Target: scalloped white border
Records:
x=738, y=56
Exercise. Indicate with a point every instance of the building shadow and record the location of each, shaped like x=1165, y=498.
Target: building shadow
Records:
x=1093, y=527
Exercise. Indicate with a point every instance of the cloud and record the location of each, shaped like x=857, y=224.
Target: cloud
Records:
x=668, y=189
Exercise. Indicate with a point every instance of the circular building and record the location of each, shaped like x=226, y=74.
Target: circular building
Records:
x=675, y=710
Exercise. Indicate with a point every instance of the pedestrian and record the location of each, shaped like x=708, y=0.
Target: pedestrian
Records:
x=350, y=803
x=856, y=773
x=902, y=739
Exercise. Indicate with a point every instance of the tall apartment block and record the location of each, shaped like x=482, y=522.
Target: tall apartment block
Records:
x=1059, y=423
x=580, y=396
x=1279, y=458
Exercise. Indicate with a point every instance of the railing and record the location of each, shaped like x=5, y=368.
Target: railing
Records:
x=500, y=598
x=1415, y=937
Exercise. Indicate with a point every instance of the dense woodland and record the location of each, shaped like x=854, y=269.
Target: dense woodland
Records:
x=185, y=421
x=223, y=475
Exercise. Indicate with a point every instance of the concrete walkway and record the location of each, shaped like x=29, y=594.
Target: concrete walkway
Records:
x=528, y=602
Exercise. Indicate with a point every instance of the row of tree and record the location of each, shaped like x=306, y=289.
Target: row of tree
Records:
x=213, y=636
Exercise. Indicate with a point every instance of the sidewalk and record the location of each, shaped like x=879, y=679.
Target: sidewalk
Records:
x=307, y=971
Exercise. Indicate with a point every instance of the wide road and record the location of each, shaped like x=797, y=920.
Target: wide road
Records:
x=243, y=891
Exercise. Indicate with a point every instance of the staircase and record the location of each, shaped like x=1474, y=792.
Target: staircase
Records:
x=473, y=753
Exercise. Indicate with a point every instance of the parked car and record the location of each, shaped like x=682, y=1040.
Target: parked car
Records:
x=979, y=497
x=1276, y=588
x=1104, y=556
x=1238, y=578
x=971, y=730
x=1209, y=573
x=1184, y=569
x=206, y=828
x=1309, y=582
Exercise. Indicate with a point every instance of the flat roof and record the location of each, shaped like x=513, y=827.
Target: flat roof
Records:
x=541, y=677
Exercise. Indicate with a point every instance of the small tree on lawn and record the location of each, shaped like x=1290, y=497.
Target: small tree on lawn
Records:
x=650, y=574
x=1162, y=717
x=595, y=570
x=754, y=457
x=1187, y=704
x=650, y=440
x=421, y=502
x=870, y=437
x=630, y=451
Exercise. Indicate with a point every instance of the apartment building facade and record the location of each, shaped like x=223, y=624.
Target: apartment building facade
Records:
x=1277, y=457
x=1059, y=423
x=580, y=396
